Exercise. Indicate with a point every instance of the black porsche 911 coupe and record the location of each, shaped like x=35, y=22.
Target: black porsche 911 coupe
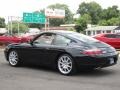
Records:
x=65, y=50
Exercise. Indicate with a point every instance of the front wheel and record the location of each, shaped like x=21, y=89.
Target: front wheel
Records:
x=13, y=58
x=66, y=65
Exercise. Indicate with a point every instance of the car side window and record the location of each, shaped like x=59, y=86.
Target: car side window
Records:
x=61, y=40
x=118, y=36
x=110, y=36
x=44, y=39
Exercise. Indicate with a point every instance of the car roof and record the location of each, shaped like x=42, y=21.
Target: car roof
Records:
x=59, y=31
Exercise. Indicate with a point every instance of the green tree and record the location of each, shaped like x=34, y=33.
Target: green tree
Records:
x=93, y=9
x=82, y=21
x=110, y=16
x=68, y=15
x=103, y=23
x=2, y=22
x=22, y=27
x=35, y=25
x=114, y=21
x=110, y=12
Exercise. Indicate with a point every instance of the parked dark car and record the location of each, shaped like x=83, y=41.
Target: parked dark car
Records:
x=65, y=50
x=109, y=38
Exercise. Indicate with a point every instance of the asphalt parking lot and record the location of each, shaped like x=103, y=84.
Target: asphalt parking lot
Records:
x=39, y=78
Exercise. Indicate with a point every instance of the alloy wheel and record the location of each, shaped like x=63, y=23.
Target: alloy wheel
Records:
x=13, y=58
x=65, y=65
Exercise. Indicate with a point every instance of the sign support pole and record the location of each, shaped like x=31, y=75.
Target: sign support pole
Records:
x=45, y=24
x=18, y=25
x=11, y=25
x=48, y=23
x=8, y=26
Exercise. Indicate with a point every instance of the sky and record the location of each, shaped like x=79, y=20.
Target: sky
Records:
x=17, y=7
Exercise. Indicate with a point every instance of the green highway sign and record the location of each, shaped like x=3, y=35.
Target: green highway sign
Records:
x=34, y=18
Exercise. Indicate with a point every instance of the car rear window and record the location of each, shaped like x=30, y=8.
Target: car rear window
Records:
x=83, y=38
x=112, y=36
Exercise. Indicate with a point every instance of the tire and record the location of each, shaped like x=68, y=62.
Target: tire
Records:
x=13, y=58
x=66, y=65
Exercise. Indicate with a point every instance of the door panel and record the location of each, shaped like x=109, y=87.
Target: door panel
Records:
x=41, y=47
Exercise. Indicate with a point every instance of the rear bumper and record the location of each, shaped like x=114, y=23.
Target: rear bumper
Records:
x=96, y=61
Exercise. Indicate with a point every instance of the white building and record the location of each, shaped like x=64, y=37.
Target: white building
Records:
x=34, y=30
x=31, y=31
x=102, y=29
x=3, y=30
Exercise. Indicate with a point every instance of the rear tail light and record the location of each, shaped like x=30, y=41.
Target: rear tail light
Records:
x=92, y=52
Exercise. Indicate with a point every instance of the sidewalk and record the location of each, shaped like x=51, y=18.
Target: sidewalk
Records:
x=2, y=48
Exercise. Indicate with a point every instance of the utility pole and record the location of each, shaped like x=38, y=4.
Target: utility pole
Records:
x=48, y=23
x=18, y=26
x=8, y=26
x=11, y=24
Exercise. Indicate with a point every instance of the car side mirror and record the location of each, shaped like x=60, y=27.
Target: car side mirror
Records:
x=30, y=42
x=33, y=42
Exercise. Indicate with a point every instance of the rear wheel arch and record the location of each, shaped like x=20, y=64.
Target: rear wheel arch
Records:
x=74, y=68
x=62, y=53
